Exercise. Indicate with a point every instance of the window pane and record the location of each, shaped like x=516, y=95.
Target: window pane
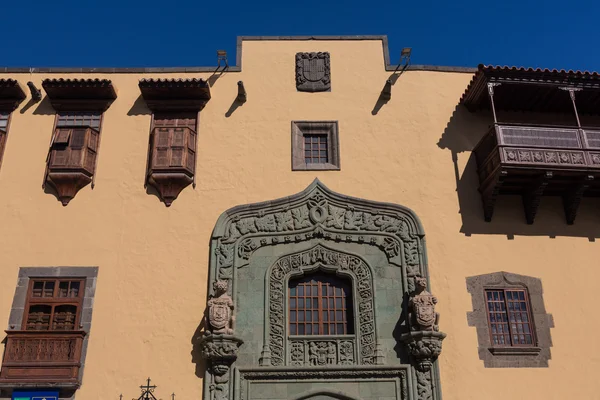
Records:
x=38, y=318
x=64, y=318
x=312, y=305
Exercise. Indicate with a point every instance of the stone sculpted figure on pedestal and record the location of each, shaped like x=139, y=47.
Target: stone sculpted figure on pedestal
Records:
x=220, y=310
x=422, y=308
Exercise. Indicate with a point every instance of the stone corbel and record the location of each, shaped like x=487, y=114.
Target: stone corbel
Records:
x=424, y=340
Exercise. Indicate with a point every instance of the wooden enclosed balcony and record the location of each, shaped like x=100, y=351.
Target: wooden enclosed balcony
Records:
x=522, y=154
x=42, y=358
x=72, y=160
x=533, y=161
x=172, y=161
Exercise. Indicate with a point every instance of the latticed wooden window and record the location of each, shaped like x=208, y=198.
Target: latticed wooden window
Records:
x=3, y=121
x=509, y=317
x=315, y=149
x=174, y=140
x=3, y=130
x=53, y=304
x=320, y=304
x=79, y=119
x=75, y=141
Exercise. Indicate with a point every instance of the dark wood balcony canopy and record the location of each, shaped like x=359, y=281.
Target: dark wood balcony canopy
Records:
x=11, y=94
x=530, y=159
x=533, y=90
x=175, y=94
x=80, y=94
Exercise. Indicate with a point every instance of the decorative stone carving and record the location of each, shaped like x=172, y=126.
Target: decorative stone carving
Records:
x=424, y=391
x=424, y=347
x=313, y=72
x=342, y=263
x=220, y=352
x=319, y=353
x=422, y=308
x=219, y=310
x=319, y=212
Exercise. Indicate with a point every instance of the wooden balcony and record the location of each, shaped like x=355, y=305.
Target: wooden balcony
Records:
x=42, y=358
x=535, y=161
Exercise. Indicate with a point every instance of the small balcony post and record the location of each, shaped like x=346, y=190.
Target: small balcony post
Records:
x=572, y=91
x=491, y=86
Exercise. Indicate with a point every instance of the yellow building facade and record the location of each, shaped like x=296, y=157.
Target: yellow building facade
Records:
x=409, y=142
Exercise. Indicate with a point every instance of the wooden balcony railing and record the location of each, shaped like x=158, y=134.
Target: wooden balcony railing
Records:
x=535, y=160
x=42, y=357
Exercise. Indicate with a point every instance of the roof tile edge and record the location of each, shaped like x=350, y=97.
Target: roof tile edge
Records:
x=238, y=66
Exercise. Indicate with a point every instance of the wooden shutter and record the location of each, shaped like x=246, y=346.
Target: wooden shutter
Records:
x=162, y=141
x=175, y=140
x=62, y=136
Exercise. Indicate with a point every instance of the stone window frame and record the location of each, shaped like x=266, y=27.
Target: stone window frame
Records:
x=90, y=274
x=536, y=356
x=301, y=128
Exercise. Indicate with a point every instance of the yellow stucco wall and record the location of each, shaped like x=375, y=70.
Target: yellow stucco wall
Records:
x=153, y=260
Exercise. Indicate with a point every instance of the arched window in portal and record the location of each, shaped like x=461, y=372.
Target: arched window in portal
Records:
x=320, y=304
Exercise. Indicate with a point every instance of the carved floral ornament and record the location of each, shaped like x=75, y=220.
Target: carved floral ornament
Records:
x=318, y=212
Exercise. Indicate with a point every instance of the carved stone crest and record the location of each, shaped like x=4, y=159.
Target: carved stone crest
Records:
x=219, y=310
x=422, y=308
x=313, y=73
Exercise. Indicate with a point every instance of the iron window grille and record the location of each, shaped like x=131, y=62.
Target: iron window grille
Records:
x=320, y=304
x=509, y=317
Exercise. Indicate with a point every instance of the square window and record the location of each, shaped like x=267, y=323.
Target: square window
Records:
x=315, y=145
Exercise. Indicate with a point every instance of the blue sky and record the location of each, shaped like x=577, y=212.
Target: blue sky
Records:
x=152, y=33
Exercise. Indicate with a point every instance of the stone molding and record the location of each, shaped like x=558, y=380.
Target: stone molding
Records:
x=400, y=374
x=297, y=264
x=318, y=212
x=510, y=357
x=301, y=128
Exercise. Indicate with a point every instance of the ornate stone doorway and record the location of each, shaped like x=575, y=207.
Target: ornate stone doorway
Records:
x=256, y=250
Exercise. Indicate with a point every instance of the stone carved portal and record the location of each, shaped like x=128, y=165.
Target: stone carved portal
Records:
x=257, y=248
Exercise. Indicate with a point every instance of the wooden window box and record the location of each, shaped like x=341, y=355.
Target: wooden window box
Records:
x=38, y=358
x=72, y=160
x=534, y=161
x=172, y=160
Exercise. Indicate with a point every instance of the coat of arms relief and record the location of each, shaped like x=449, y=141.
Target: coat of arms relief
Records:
x=313, y=73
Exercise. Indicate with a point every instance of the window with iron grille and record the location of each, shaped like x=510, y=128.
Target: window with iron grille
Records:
x=320, y=304
x=315, y=145
x=53, y=305
x=509, y=317
x=315, y=149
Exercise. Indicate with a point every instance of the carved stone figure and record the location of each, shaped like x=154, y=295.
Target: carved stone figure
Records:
x=220, y=310
x=422, y=308
x=313, y=73
x=313, y=353
x=331, y=358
